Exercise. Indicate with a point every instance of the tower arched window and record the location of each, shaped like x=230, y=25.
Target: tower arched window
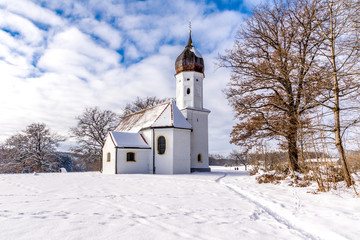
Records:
x=161, y=145
x=188, y=91
x=199, y=158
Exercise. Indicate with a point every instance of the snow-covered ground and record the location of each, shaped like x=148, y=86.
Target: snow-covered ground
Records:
x=224, y=204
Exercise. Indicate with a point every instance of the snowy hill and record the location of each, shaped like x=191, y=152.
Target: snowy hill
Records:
x=224, y=204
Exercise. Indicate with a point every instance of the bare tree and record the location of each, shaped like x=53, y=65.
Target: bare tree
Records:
x=14, y=154
x=339, y=30
x=93, y=126
x=41, y=146
x=91, y=130
x=141, y=104
x=32, y=149
x=273, y=83
x=240, y=158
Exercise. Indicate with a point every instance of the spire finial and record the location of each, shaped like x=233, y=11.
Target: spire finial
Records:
x=189, y=43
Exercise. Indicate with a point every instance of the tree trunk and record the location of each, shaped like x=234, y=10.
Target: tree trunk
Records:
x=293, y=150
x=38, y=166
x=338, y=141
x=100, y=162
x=293, y=153
x=336, y=109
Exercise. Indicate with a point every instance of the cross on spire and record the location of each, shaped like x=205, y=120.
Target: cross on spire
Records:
x=190, y=25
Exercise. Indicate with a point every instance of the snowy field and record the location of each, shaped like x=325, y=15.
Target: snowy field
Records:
x=224, y=204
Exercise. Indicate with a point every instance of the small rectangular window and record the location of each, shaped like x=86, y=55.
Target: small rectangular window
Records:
x=130, y=157
x=108, y=157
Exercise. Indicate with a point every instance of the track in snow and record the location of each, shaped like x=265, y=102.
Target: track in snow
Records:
x=280, y=219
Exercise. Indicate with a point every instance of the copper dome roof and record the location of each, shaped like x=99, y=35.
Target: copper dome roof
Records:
x=190, y=59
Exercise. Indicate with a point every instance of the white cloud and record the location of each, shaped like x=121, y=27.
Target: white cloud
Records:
x=32, y=11
x=73, y=39
x=146, y=40
x=74, y=52
x=16, y=56
x=102, y=30
x=131, y=52
x=25, y=29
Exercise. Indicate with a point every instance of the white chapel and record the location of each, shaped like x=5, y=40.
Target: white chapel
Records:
x=169, y=138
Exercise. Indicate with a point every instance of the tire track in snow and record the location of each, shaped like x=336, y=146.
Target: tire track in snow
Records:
x=277, y=217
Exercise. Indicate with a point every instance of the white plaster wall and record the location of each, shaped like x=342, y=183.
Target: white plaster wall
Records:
x=108, y=167
x=140, y=166
x=148, y=135
x=199, y=137
x=195, y=83
x=181, y=155
x=164, y=162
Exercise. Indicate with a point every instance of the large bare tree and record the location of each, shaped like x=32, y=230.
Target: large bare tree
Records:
x=91, y=130
x=273, y=83
x=33, y=149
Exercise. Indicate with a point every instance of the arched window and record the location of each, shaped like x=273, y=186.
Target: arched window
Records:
x=188, y=91
x=108, y=157
x=199, y=157
x=130, y=157
x=161, y=145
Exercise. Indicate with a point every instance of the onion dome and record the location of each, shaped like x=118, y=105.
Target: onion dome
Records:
x=190, y=59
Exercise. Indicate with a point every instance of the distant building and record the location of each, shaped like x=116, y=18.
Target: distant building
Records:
x=168, y=138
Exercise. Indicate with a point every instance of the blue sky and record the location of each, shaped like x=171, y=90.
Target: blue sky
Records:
x=58, y=57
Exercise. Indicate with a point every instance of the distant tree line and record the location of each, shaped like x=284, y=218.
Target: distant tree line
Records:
x=269, y=160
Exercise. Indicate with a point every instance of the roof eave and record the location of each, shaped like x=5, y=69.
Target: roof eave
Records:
x=165, y=127
x=133, y=147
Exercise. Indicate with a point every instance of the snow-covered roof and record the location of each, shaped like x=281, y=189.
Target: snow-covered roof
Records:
x=164, y=114
x=128, y=140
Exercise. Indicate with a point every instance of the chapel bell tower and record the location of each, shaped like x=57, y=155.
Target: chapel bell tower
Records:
x=189, y=67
